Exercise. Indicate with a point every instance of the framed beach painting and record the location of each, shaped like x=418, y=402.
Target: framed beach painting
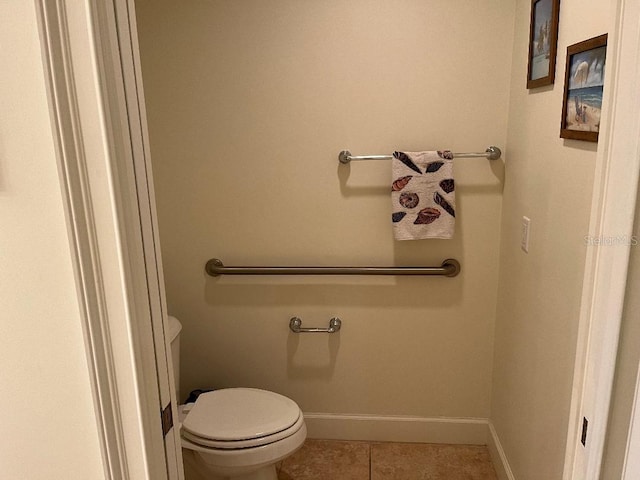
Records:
x=583, y=86
x=543, y=42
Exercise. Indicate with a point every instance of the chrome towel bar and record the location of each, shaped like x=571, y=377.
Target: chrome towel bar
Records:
x=295, y=325
x=491, y=153
x=449, y=268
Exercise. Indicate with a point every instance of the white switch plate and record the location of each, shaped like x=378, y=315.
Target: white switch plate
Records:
x=524, y=241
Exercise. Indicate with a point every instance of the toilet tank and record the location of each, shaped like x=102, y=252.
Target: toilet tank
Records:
x=174, y=339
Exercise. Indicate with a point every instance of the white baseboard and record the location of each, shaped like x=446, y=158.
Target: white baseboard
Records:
x=388, y=428
x=460, y=431
x=498, y=457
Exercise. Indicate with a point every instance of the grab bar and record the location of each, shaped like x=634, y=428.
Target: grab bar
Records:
x=491, y=153
x=295, y=324
x=449, y=268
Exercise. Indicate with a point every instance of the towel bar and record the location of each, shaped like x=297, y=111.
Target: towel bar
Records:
x=295, y=325
x=491, y=153
x=449, y=268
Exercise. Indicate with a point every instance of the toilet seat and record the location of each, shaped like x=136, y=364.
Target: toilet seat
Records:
x=248, y=443
x=236, y=418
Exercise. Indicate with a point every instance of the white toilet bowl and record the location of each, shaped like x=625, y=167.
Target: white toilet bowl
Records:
x=239, y=434
x=235, y=433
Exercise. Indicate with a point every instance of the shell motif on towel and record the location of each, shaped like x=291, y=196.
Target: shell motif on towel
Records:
x=400, y=183
x=404, y=158
x=433, y=167
x=439, y=199
x=427, y=215
x=448, y=185
x=445, y=154
x=397, y=216
x=409, y=200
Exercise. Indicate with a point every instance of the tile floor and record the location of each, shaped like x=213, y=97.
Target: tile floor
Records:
x=340, y=460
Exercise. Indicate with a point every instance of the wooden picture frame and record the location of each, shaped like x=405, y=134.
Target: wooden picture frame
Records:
x=543, y=42
x=583, y=88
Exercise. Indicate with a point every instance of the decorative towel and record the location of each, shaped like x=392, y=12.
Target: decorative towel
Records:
x=423, y=195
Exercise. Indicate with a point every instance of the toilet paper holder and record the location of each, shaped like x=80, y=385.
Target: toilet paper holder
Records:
x=295, y=325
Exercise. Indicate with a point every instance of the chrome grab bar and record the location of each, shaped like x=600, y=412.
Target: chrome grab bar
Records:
x=491, y=153
x=295, y=324
x=449, y=268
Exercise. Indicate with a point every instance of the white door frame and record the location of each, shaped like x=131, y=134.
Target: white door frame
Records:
x=612, y=215
x=93, y=74
x=90, y=54
x=631, y=465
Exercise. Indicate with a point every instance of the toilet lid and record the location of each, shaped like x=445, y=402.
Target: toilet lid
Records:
x=240, y=413
x=242, y=444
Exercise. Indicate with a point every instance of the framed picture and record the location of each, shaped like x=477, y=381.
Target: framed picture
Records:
x=543, y=42
x=583, y=85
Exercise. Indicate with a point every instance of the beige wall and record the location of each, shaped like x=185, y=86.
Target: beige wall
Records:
x=48, y=424
x=249, y=104
x=550, y=181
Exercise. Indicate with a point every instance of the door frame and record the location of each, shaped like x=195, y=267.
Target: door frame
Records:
x=605, y=278
x=88, y=106
x=631, y=465
x=98, y=120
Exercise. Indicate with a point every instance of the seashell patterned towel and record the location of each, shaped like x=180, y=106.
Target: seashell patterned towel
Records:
x=423, y=195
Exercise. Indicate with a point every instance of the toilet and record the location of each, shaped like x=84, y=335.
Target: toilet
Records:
x=235, y=433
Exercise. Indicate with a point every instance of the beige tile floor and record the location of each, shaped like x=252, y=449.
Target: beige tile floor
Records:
x=339, y=460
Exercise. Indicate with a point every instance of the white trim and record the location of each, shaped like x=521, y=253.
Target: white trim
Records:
x=631, y=467
x=96, y=145
x=128, y=67
x=615, y=188
x=407, y=429
x=498, y=456
x=392, y=428
x=72, y=166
